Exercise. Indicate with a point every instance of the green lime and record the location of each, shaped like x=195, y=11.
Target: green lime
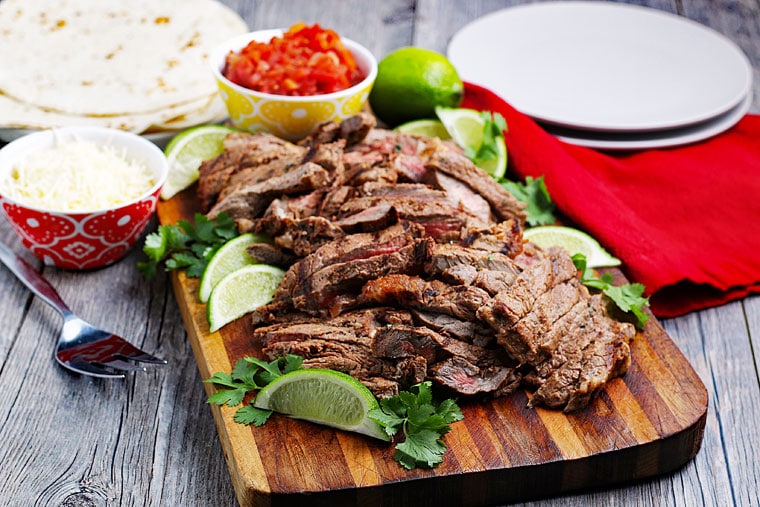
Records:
x=241, y=292
x=411, y=82
x=430, y=128
x=323, y=396
x=187, y=151
x=574, y=241
x=466, y=127
x=231, y=256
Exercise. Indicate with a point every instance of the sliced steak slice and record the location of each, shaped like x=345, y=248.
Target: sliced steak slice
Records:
x=249, y=201
x=465, y=330
x=351, y=247
x=261, y=153
x=407, y=291
x=302, y=331
x=333, y=199
x=328, y=156
x=462, y=196
x=412, y=341
x=374, y=218
x=354, y=129
x=597, y=352
x=523, y=340
x=265, y=253
x=509, y=306
x=317, y=293
x=503, y=237
x=466, y=378
x=458, y=166
x=443, y=257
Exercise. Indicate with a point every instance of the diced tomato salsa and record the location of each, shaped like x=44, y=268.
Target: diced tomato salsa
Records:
x=306, y=60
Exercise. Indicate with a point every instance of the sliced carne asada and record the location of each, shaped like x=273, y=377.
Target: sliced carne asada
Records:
x=407, y=263
x=466, y=378
x=317, y=293
x=456, y=165
x=462, y=196
x=250, y=200
x=261, y=155
x=468, y=331
x=264, y=253
x=408, y=291
x=502, y=237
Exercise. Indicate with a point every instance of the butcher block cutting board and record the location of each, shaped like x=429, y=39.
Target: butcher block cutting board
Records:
x=649, y=422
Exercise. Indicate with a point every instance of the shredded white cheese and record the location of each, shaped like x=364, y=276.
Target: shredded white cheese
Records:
x=77, y=176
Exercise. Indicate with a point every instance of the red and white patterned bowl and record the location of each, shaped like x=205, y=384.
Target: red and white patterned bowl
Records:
x=83, y=240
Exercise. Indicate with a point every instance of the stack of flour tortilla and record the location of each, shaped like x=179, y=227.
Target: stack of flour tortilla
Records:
x=136, y=65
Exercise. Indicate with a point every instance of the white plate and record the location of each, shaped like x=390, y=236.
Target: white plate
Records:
x=603, y=66
x=653, y=139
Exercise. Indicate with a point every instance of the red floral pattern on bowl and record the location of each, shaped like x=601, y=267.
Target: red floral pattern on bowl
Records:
x=80, y=240
x=83, y=240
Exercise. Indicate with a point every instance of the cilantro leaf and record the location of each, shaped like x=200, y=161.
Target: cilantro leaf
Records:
x=494, y=126
x=422, y=448
x=421, y=420
x=249, y=374
x=229, y=397
x=540, y=207
x=186, y=245
x=629, y=297
x=251, y=415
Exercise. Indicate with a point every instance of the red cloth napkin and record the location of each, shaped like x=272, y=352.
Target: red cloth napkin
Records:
x=683, y=220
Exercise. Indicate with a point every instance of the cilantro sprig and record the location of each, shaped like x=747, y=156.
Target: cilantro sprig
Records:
x=249, y=375
x=629, y=297
x=422, y=421
x=494, y=126
x=540, y=207
x=186, y=245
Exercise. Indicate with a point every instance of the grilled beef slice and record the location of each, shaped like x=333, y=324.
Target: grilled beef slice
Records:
x=455, y=164
x=407, y=291
x=261, y=154
x=250, y=200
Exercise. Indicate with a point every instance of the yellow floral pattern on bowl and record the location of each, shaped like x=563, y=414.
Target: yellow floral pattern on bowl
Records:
x=288, y=118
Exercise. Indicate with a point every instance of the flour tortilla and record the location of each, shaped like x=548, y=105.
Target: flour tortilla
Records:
x=110, y=57
x=19, y=115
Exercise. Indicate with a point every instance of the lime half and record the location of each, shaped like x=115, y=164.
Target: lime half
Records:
x=323, y=396
x=430, y=128
x=231, y=256
x=241, y=292
x=187, y=151
x=466, y=127
x=574, y=241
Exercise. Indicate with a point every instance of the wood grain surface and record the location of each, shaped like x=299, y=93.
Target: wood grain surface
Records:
x=151, y=440
x=649, y=422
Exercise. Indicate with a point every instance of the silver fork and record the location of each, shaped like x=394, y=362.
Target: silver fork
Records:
x=81, y=347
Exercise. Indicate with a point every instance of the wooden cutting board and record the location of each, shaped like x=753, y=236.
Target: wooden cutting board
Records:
x=650, y=422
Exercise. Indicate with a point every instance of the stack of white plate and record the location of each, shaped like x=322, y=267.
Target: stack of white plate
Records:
x=606, y=75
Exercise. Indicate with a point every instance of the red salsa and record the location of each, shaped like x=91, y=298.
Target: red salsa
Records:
x=306, y=60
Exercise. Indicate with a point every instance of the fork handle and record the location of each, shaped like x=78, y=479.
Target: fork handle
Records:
x=33, y=280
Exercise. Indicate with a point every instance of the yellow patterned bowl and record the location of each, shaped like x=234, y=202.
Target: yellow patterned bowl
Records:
x=287, y=116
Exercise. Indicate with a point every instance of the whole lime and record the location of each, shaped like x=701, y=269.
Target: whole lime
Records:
x=411, y=82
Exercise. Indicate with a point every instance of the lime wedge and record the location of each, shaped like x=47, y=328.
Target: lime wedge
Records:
x=241, y=292
x=231, y=256
x=323, y=396
x=466, y=128
x=187, y=151
x=430, y=128
x=574, y=241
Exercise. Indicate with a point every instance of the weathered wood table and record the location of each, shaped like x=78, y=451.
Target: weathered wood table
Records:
x=151, y=440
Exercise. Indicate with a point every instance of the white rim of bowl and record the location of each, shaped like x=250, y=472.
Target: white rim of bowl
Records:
x=361, y=54
x=25, y=145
